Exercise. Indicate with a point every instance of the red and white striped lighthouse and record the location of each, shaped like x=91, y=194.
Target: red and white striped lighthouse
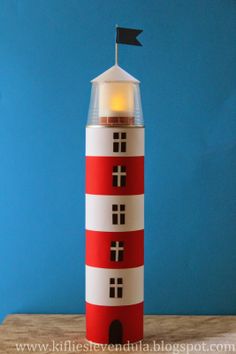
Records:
x=114, y=210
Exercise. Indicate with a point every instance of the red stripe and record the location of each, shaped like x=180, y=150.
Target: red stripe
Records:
x=99, y=179
x=98, y=253
x=99, y=319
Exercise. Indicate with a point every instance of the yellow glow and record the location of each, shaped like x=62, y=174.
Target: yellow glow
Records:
x=118, y=103
x=116, y=97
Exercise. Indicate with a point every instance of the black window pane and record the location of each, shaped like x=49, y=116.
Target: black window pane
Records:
x=123, y=181
x=119, y=292
x=122, y=219
x=112, y=292
x=114, y=207
x=115, y=168
x=123, y=135
x=113, y=243
x=114, y=219
x=115, y=135
x=119, y=281
x=114, y=181
x=121, y=243
x=120, y=255
x=123, y=147
x=116, y=147
x=123, y=168
x=112, y=280
x=113, y=256
x=122, y=207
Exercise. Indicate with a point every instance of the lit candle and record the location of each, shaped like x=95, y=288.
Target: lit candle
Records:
x=116, y=99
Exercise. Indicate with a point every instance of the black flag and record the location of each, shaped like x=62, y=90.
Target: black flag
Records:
x=128, y=36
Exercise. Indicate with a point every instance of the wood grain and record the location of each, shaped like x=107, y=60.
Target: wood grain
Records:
x=68, y=331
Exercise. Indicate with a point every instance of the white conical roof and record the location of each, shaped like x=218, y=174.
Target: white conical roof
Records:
x=114, y=74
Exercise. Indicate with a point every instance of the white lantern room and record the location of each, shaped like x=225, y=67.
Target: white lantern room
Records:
x=115, y=99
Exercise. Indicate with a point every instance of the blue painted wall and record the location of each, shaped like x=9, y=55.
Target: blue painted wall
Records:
x=49, y=51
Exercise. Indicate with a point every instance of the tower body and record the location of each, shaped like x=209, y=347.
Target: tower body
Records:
x=114, y=210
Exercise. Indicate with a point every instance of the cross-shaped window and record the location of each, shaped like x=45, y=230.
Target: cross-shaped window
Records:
x=119, y=176
x=116, y=287
x=118, y=214
x=117, y=251
x=119, y=142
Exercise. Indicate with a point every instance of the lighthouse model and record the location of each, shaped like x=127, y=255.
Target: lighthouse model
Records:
x=114, y=210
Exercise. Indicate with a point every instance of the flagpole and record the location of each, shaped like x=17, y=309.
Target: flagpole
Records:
x=116, y=53
x=116, y=49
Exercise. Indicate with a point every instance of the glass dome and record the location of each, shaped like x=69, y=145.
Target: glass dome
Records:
x=115, y=99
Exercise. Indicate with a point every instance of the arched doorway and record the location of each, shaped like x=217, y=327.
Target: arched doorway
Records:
x=115, y=332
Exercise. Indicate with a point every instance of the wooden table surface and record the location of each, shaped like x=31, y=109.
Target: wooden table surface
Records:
x=163, y=334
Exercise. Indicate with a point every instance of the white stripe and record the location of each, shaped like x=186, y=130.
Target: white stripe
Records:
x=99, y=212
x=98, y=286
x=99, y=141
